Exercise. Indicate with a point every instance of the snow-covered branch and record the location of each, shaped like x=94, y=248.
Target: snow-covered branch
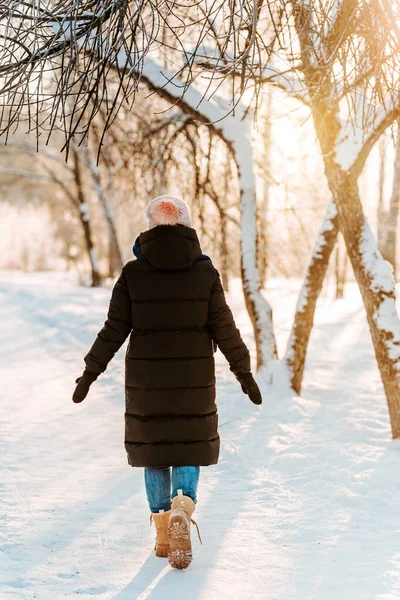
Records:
x=292, y=85
x=386, y=114
x=355, y=140
x=187, y=98
x=22, y=174
x=338, y=26
x=286, y=80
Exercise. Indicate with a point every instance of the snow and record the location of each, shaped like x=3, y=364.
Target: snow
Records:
x=391, y=106
x=281, y=78
x=320, y=242
x=84, y=210
x=333, y=11
x=303, y=296
x=386, y=319
x=162, y=78
x=356, y=133
x=379, y=270
x=94, y=261
x=326, y=226
x=303, y=503
x=68, y=28
x=349, y=145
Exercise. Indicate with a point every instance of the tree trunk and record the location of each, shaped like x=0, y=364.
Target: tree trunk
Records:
x=296, y=350
x=85, y=221
x=259, y=309
x=223, y=246
x=266, y=187
x=375, y=279
x=381, y=187
x=388, y=244
x=340, y=271
x=223, y=249
x=115, y=257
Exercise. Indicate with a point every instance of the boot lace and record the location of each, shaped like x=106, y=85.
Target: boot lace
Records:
x=197, y=527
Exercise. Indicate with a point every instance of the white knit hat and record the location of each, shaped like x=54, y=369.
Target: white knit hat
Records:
x=168, y=210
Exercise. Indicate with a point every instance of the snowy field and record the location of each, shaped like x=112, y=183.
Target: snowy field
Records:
x=303, y=504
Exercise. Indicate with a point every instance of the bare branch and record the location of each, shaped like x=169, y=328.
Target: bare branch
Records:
x=60, y=50
x=21, y=173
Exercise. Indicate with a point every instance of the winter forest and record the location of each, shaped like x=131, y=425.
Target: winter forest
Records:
x=278, y=122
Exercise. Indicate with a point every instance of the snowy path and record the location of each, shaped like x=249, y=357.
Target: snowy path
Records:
x=303, y=504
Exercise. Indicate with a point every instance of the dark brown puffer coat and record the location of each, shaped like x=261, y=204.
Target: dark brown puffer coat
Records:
x=170, y=299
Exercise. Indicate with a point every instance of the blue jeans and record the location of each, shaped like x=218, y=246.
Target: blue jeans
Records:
x=158, y=485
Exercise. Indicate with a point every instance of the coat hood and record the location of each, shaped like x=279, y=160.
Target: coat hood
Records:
x=169, y=247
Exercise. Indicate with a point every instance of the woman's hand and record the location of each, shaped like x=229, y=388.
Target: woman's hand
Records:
x=249, y=387
x=84, y=382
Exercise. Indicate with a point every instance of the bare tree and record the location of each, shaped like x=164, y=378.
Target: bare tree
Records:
x=361, y=40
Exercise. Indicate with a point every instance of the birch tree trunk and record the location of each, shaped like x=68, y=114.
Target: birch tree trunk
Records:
x=388, y=245
x=296, y=349
x=85, y=221
x=115, y=257
x=259, y=310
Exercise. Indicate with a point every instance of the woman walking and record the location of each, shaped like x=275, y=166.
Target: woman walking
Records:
x=171, y=302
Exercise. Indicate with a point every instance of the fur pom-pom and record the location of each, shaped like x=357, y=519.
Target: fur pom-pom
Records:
x=165, y=212
x=168, y=210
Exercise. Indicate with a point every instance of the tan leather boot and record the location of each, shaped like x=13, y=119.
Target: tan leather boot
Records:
x=180, y=546
x=161, y=522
